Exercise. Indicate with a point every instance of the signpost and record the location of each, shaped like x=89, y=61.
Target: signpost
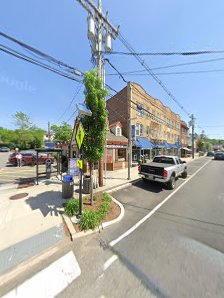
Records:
x=79, y=137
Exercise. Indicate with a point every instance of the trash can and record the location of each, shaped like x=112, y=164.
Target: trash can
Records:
x=86, y=184
x=67, y=187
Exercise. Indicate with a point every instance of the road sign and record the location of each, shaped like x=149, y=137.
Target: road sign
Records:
x=79, y=163
x=80, y=134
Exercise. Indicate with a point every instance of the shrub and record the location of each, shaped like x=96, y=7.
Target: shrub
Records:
x=91, y=219
x=72, y=207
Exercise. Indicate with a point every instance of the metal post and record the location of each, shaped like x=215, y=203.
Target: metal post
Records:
x=37, y=168
x=192, y=119
x=80, y=186
x=129, y=87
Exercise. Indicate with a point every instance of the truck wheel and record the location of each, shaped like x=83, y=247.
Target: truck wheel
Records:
x=171, y=183
x=184, y=175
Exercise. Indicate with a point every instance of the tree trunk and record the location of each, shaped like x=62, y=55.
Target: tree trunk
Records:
x=91, y=182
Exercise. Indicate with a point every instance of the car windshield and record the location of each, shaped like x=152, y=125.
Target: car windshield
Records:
x=167, y=160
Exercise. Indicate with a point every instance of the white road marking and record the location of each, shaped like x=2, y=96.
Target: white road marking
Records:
x=140, y=222
x=109, y=262
x=50, y=281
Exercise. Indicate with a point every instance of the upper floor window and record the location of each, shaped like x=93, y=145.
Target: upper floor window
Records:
x=118, y=131
x=147, y=130
x=139, y=109
x=147, y=113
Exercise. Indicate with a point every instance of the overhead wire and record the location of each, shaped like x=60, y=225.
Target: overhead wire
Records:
x=21, y=56
x=143, y=63
x=40, y=53
x=79, y=86
x=191, y=53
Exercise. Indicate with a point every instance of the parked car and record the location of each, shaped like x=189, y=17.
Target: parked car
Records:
x=219, y=155
x=164, y=169
x=29, y=159
x=210, y=153
x=4, y=149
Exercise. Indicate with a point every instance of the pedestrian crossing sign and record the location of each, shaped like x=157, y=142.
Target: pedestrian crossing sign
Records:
x=80, y=134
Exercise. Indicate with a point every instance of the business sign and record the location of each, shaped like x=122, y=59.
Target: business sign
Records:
x=116, y=146
x=72, y=167
x=133, y=132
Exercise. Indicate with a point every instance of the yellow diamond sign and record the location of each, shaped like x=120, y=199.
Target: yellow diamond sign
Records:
x=80, y=134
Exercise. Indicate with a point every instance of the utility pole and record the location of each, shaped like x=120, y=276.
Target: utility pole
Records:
x=129, y=132
x=49, y=136
x=96, y=16
x=192, y=126
x=99, y=67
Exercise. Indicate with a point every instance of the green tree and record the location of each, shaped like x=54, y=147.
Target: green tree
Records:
x=22, y=121
x=95, y=125
x=201, y=144
x=63, y=132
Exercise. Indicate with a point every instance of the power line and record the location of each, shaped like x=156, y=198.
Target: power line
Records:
x=142, y=62
x=70, y=104
x=39, y=53
x=164, y=53
x=168, y=73
x=142, y=95
x=21, y=56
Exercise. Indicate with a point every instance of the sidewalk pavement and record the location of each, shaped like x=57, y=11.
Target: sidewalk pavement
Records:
x=34, y=223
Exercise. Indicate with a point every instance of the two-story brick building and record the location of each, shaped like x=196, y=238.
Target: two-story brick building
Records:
x=149, y=120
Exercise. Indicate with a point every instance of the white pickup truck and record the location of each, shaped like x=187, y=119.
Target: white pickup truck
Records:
x=164, y=169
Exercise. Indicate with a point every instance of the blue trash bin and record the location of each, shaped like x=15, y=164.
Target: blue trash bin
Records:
x=67, y=187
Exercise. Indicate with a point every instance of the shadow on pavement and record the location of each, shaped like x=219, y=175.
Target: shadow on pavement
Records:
x=149, y=186
x=49, y=202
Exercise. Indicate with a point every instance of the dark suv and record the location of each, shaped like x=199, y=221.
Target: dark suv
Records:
x=219, y=155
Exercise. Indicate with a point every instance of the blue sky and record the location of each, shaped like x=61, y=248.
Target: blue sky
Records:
x=59, y=28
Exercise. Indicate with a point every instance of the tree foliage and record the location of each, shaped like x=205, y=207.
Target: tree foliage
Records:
x=25, y=136
x=95, y=125
x=63, y=132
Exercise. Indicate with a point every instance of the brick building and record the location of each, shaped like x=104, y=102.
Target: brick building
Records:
x=149, y=118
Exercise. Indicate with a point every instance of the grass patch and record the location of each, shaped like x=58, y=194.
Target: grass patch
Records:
x=72, y=207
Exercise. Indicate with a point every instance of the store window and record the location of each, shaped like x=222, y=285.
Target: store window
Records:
x=121, y=154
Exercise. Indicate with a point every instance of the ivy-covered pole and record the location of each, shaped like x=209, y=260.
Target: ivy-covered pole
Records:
x=95, y=125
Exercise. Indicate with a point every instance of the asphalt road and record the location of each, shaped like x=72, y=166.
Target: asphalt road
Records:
x=176, y=252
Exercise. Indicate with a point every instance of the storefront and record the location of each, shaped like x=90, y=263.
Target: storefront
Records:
x=142, y=150
x=116, y=156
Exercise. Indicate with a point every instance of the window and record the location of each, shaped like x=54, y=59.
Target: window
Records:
x=139, y=109
x=147, y=130
x=118, y=131
x=137, y=130
x=141, y=130
x=121, y=154
x=147, y=113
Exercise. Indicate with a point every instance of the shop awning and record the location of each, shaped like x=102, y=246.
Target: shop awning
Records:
x=159, y=145
x=168, y=145
x=143, y=143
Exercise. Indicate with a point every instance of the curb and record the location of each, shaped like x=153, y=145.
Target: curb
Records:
x=74, y=235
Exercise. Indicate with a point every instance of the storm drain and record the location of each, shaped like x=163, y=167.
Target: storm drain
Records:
x=19, y=196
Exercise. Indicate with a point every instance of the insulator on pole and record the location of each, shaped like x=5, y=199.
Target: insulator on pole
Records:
x=108, y=42
x=91, y=28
